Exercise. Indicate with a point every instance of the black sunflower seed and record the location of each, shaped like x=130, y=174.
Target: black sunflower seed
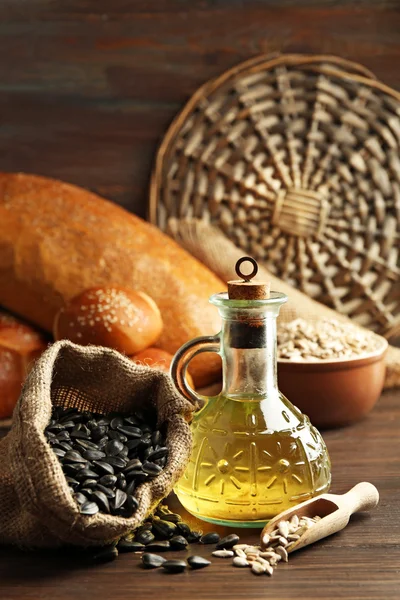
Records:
x=178, y=542
x=210, y=538
x=124, y=452
x=144, y=537
x=98, y=432
x=73, y=468
x=116, y=422
x=72, y=482
x=131, y=505
x=55, y=427
x=156, y=438
x=101, y=500
x=151, y=468
x=106, y=554
x=164, y=529
x=183, y=529
x=130, y=488
x=89, y=484
x=86, y=473
x=86, y=444
x=173, y=518
x=193, y=536
x=198, y=562
x=120, y=498
x=160, y=453
x=103, y=467
x=134, y=463
x=80, y=498
x=128, y=546
x=63, y=436
x=89, y=508
x=132, y=420
x=64, y=445
x=115, y=461
x=116, y=435
x=152, y=561
x=130, y=431
x=73, y=457
x=107, y=491
x=113, y=447
x=59, y=452
x=174, y=565
x=80, y=432
x=145, y=441
x=93, y=454
x=162, y=546
x=121, y=481
x=146, y=526
x=132, y=444
x=108, y=480
x=228, y=542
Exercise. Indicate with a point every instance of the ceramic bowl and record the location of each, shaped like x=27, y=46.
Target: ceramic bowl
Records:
x=334, y=392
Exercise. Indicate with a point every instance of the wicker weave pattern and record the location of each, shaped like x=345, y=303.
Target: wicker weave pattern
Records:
x=297, y=160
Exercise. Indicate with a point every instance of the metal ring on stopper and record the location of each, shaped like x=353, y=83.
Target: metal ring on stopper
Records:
x=240, y=262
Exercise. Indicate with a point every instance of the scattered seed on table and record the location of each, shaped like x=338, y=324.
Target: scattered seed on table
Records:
x=228, y=542
x=239, y=561
x=198, y=562
x=152, y=561
x=106, y=554
x=174, y=565
x=223, y=553
x=210, y=538
x=257, y=568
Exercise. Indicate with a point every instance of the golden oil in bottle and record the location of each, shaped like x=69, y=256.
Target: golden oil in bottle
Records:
x=251, y=460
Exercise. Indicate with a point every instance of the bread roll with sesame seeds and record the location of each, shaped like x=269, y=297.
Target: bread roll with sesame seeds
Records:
x=123, y=319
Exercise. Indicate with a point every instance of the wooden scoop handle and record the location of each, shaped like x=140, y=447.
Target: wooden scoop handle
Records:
x=363, y=496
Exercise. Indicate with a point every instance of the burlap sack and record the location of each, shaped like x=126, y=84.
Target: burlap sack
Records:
x=209, y=245
x=36, y=505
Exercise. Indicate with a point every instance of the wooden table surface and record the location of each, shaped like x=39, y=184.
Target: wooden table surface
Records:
x=362, y=562
x=88, y=88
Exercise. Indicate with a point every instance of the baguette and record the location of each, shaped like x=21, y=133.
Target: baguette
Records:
x=57, y=240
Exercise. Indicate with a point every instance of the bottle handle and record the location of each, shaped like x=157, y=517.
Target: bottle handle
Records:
x=182, y=359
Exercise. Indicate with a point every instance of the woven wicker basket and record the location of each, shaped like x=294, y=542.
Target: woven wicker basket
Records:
x=296, y=158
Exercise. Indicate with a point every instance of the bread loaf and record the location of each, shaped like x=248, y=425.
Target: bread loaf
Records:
x=20, y=345
x=57, y=240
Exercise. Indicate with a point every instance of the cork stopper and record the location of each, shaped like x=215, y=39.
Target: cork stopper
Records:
x=246, y=289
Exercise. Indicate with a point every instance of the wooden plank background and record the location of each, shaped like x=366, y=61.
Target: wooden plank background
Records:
x=88, y=88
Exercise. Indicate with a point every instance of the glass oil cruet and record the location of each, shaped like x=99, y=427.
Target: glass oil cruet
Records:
x=254, y=453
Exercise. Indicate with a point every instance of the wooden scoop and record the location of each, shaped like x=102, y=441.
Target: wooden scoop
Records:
x=334, y=509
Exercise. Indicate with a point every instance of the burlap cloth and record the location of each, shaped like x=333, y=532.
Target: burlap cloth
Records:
x=36, y=505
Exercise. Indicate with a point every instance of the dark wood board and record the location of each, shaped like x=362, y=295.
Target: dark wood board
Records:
x=360, y=563
x=87, y=89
